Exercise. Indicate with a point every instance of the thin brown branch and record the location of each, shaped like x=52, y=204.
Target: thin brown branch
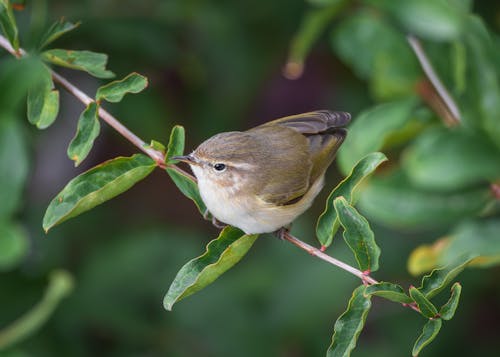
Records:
x=434, y=79
x=156, y=155
x=365, y=278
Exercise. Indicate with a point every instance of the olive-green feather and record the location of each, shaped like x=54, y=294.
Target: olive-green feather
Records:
x=318, y=134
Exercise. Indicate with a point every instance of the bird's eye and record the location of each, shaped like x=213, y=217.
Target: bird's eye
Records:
x=219, y=167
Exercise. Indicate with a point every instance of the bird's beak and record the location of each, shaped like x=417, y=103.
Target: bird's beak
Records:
x=186, y=158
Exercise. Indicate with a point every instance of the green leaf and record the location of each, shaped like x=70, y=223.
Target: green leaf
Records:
x=90, y=62
x=447, y=311
x=8, y=23
x=13, y=245
x=358, y=235
x=13, y=166
x=60, y=286
x=43, y=102
x=350, y=324
x=187, y=185
x=367, y=42
x=438, y=279
x=427, y=309
x=156, y=145
x=392, y=200
x=388, y=291
x=432, y=19
x=431, y=161
x=115, y=91
x=221, y=254
x=175, y=144
x=55, y=31
x=327, y=222
x=96, y=186
x=313, y=24
x=86, y=132
x=370, y=128
x=429, y=333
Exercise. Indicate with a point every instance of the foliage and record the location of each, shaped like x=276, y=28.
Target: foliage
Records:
x=441, y=177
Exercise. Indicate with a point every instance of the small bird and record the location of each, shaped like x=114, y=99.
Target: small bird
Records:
x=261, y=179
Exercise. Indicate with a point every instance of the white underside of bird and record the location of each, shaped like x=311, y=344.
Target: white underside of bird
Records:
x=221, y=203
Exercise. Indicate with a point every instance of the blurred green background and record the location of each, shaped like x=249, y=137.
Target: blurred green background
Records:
x=216, y=66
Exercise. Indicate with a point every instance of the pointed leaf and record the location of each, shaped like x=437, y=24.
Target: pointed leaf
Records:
x=8, y=23
x=438, y=279
x=115, y=91
x=96, y=186
x=175, y=143
x=429, y=333
x=327, y=222
x=427, y=309
x=369, y=130
x=187, y=185
x=221, y=255
x=358, y=235
x=43, y=102
x=350, y=324
x=90, y=62
x=447, y=311
x=388, y=291
x=55, y=31
x=86, y=132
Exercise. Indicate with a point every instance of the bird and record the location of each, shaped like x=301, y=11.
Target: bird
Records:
x=260, y=180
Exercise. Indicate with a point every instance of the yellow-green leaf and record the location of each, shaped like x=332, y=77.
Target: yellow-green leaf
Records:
x=221, y=254
x=90, y=62
x=116, y=90
x=96, y=186
x=86, y=132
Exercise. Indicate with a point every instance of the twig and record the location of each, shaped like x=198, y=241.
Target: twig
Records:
x=319, y=254
x=156, y=155
x=434, y=78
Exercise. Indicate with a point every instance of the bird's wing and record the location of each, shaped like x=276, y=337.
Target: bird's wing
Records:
x=301, y=147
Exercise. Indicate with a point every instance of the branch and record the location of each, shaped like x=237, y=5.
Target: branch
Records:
x=364, y=276
x=156, y=155
x=444, y=95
